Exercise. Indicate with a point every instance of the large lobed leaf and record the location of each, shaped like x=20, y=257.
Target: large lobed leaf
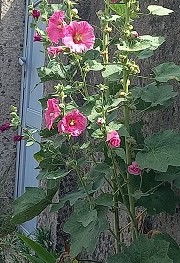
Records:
x=167, y=71
x=159, y=10
x=160, y=151
x=143, y=250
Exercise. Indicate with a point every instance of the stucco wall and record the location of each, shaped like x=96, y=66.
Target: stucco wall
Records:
x=11, y=45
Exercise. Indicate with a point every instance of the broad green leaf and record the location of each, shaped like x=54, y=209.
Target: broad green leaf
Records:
x=119, y=9
x=94, y=65
x=161, y=200
x=136, y=131
x=86, y=237
x=33, y=259
x=53, y=71
x=112, y=72
x=174, y=249
x=54, y=175
x=144, y=250
x=159, y=10
x=83, y=213
x=92, y=54
x=147, y=53
x=172, y=176
x=143, y=43
x=138, y=194
x=31, y=204
x=71, y=197
x=167, y=71
x=160, y=151
x=121, y=153
x=157, y=95
x=97, y=134
x=41, y=252
x=105, y=199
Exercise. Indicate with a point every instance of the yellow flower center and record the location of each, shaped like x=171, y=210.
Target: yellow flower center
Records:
x=71, y=123
x=77, y=38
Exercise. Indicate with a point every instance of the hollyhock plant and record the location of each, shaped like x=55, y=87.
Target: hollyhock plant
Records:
x=36, y=13
x=134, y=169
x=100, y=121
x=54, y=51
x=73, y=123
x=37, y=37
x=56, y=26
x=4, y=127
x=52, y=112
x=113, y=139
x=79, y=36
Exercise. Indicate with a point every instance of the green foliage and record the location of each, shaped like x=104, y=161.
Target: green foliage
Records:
x=160, y=151
x=53, y=71
x=172, y=176
x=85, y=229
x=167, y=71
x=143, y=250
x=159, y=10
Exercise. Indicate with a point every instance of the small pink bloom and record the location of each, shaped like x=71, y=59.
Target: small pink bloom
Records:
x=36, y=13
x=73, y=123
x=4, y=127
x=134, y=169
x=114, y=1
x=52, y=112
x=54, y=51
x=56, y=26
x=113, y=139
x=37, y=37
x=79, y=36
x=135, y=34
x=100, y=121
x=18, y=138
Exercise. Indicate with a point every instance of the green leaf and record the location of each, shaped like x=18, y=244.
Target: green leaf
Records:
x=161, y=200
x=160, y=151
x=92, y=54
x=84, y=214
x=94, y=65
x=147, y=53
x=33, y=259
x=159, y=10
x=54, y=175
x=157, y=95
x=85, y=237
x=53, y=71
x=105, y=199
x=174, y=249
x=31, y=204
x=121, y=153
x=167, y=71
x=143, y=250
x=172, y=176
x=138, y=194
x=143, y=43
x=119, y=9
x=118, y=127
x=41, y=252
x=71, y=197
x=112, y=72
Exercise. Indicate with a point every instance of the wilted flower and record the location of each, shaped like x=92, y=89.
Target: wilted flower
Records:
x=56, y=26
x=52, y=112
x=4, y=127
x=37, y=37
x=79, y=36
x=36, y=13
x=134, y=168
x=73, y=123
x=113, y=139
x=135, y=34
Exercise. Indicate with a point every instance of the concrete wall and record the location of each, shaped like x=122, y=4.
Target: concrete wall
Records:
x=11, y=45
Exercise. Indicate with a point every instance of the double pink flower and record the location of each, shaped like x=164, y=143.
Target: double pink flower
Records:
x=134, y=169
x=52, y=112
x=78, y=36
x=113, y=139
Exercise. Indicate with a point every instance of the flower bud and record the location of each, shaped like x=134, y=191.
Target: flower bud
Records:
x=134, y=34
x=100, y=121
x=36, y=13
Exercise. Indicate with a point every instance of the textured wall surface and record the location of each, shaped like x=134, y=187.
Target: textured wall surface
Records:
x=11, y=44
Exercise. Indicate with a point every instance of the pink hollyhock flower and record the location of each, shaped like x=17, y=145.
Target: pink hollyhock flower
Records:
x=52, y=112
x=4, y=127
x=18, y=138
x=56, y=26
x=113, y=139
x=36, y=13
x=134, y=169
x=37, y=37
x=54, y=51
x=114, y=1
x=73, y=123
x=79, y=36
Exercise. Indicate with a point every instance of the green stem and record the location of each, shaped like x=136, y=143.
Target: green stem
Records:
x=69, y=7
x=83, y=75
x=106, y=35
x=126, y=123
